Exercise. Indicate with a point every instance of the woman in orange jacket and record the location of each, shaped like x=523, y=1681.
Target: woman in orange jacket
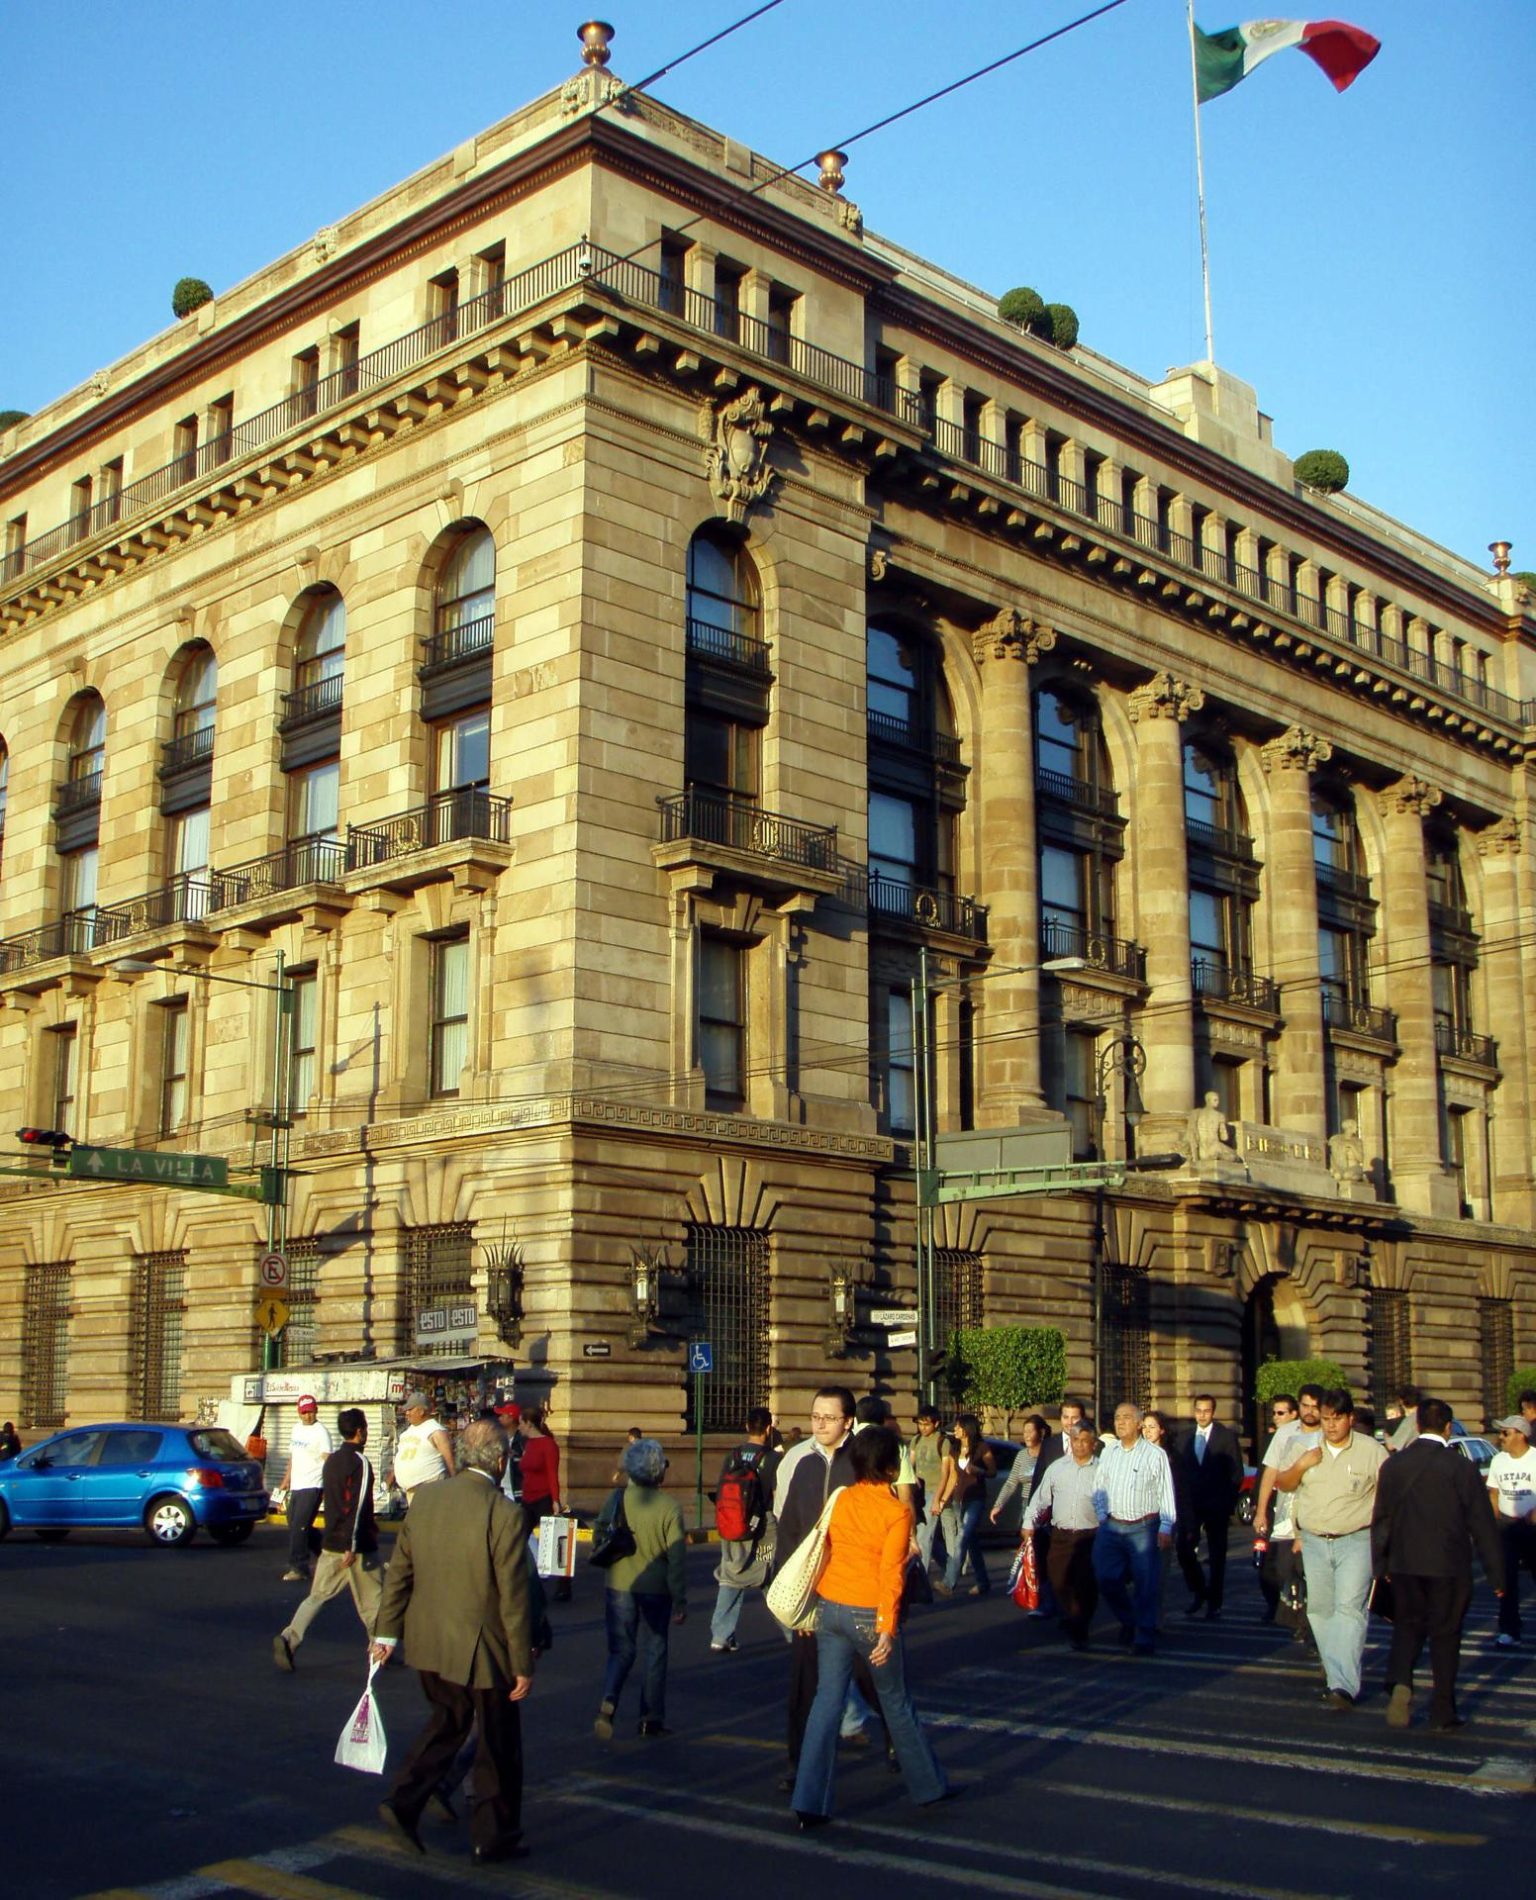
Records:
x=869, y=1540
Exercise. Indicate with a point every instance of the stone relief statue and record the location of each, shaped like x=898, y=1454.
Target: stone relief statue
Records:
x=1346, y=1153
x=1209, y=1133
x=736, y=455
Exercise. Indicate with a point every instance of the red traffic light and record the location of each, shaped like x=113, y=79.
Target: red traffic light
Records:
x=54, y=1139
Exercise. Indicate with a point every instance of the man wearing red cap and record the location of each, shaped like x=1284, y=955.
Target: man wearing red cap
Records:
x=308, y=1449
x=510, y=1418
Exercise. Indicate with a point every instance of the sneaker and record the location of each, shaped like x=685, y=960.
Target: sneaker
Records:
x=1506, y=1641
x=602, y=1728
x=1338, y=1700
x=295, y=1576
x=727, y=1648
x=282, y=1653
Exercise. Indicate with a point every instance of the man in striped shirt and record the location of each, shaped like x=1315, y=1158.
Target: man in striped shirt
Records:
x=1133, y=1501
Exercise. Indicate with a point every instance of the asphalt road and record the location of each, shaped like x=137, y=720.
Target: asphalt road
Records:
x=152, y=1748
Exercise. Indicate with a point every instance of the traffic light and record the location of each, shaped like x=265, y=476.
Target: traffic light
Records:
x=53, y=1139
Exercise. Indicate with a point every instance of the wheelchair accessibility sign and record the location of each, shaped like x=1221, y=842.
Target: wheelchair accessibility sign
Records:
x=701, y=1357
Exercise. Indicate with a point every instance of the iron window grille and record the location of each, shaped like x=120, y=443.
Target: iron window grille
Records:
x=957, y=1303
x=302, y=1297
x=1391, y=1345
x=728, y=1269
x=45, y=1343
x=157, y=1326
x=440, y=1273
x=1125, y=1335
x=1496, y=1344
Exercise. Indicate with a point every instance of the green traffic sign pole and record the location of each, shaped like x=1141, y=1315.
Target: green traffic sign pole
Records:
x=698, y=1439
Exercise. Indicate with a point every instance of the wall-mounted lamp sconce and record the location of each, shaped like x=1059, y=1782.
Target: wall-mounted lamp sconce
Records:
x=646, y=1266
x=842, y=1302
x=504, y=1286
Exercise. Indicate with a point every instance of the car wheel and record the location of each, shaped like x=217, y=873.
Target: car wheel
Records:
x=170, y=1522
x=51, y=1536
x=230, y=1533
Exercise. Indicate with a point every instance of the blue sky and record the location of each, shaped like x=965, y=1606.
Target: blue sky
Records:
x=1373, y=263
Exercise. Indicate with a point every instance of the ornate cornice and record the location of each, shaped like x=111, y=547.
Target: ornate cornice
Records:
x=1164, y=697
x=1296, y=751
x=1500, y=839
x=1012, y=636
x=1412, y=795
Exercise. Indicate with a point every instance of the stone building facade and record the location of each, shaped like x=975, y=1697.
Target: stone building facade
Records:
x=583, y=626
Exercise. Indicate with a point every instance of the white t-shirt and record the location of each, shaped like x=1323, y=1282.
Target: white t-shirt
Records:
x=1290, y=1440
x=417, y=1459
x=1513, y=1480
x=309, y=1447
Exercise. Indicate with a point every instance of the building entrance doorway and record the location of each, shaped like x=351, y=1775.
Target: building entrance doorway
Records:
x=1275, y=1326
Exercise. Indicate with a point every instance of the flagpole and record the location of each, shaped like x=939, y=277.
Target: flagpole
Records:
x=1205, y=249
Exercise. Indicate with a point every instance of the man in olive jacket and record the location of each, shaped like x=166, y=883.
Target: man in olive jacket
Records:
x=458, y=1590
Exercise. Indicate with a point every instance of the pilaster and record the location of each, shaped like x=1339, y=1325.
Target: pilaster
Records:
x=1507, y=899
x=1291, y=876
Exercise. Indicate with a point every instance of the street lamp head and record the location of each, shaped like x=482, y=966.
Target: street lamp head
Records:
x=135, y=966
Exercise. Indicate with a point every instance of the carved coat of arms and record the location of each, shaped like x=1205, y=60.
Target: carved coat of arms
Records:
x=736, y=453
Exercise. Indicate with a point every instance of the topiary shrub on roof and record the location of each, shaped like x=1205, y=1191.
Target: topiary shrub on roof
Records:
x=1063, y=321
x=1524, y=575
x=1322, y=469
x=1024, y=308
x=10, y=417
x=190, y=294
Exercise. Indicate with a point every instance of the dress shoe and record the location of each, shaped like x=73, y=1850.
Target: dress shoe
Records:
x=810, y=1821
x=1196, y=1607
x=1447, y=1721
x=295, y=1576
x=602, y=1728
x=653, y=1731
x=941, y=1588
x=503, y=1850
x=282, y=1653
x=1338, y=1700
x=399, y=1826
x=441, y=1807
x=1400, y=1706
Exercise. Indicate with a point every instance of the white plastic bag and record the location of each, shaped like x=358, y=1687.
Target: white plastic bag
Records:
x=363, y=1743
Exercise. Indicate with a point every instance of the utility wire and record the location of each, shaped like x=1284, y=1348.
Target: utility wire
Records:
x=693, y=51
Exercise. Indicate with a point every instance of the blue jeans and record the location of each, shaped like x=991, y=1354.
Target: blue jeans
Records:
x=928, y=1527
x=1130, y=1550
x=1338, y=1583
x=960, y=1528
x=638, y=1619
x=722, y=1625
x=841, y=1634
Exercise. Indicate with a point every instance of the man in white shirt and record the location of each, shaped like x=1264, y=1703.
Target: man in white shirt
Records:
x=304, y=1479
x=1512, y=1491
x=423, y=1451
x=1298, y=1427
x=1135, y=1507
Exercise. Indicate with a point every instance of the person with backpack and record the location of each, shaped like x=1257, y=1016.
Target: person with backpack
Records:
x=743, y=1515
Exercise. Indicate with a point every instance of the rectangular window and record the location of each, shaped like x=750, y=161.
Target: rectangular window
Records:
x=1496, y=1344
x=729, y=1267
x=1062, y=898
x=463, y=752
x=303, y=1030
x=441, y=1315
x=720, y=755
x=78, y=880
x=302, y=1298
x=66, y=1055
x=186, y=448
x=15, y=543
x=348, y=348
x=45, y=1343
x=1391, y=1354
x=728, y=282
x=314, y=801
x=1093, y=486
x=80, y=497
x=1456, y=1147
x=175, y=1064
x=491, y=275
x=929, y=383
x=157, y=1317
x=304, y=384
x=900, y=1064
x=1080, y=1053
x=783, y=314
x=450, y=1014
x=673, y=285
x=189, y=843
x=893, y=837
x=973, y=411
x=722, y=1022
x=1125, y=1335
x=443, y=305
x=221, y=431
x=111, y=503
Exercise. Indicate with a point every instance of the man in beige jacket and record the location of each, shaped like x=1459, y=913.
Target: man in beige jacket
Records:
x=458, y=1590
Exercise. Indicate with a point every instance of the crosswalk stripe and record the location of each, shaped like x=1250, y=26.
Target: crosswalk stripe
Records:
x=273, y=1883
x=508, y=1879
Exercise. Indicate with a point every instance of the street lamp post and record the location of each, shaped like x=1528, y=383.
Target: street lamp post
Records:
x=1126, y=1057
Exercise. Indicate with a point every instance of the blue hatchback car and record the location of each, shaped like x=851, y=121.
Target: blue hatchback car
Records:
x=167, y=1479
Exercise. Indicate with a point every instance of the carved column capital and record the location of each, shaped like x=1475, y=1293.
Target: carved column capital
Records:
x=1164, y=697
x=1412, y=794
x=1012, y=636
x=1501, y=839
x=1296, y=751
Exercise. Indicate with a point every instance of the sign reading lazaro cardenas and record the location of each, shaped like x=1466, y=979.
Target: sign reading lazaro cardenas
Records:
x=137, y=1164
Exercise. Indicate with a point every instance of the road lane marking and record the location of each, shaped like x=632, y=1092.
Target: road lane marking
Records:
x=505, y=1877
x=273, y=1883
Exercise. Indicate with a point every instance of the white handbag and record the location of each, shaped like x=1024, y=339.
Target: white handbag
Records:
x=791, y=1597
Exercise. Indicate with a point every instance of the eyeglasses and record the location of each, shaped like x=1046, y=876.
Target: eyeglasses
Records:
x=827, y=1418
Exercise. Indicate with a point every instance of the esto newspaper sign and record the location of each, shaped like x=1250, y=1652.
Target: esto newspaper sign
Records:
x=441, y=1325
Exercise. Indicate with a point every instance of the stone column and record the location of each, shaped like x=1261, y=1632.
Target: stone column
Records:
x=1008, y=1074
x=1166, y=1026
x=1291, y=880
x=1422, y=1180
x=1505, y=905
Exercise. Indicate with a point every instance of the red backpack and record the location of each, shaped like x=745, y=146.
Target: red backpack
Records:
x=740, y=1505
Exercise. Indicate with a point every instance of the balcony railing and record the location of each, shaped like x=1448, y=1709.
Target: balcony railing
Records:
x=186, y=750
x=450, y=818
x=1219, y=982
x=895, y=898
x=1466, y=1045
x=447, y=646
x=1080, y=792
x=1452, y=919
x=1118, y=956
x=1216, y=838
x=76, y=794
x=1343, y=1011
x=723, y=818
x=725, y=644
x=75, y=934
x=318, y=700
x=887, y=728
x=1351, y=884
x=314, y=860
x=183, y=899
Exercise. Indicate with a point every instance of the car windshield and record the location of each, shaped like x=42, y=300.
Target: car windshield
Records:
x=221, y=1446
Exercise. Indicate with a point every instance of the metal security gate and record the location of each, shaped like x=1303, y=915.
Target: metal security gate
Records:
x=156, y=1328
x=1391, y=1345
x=957, y=1302
x=728, y=1269
x=440, y=1267
x=1125, y=1338
x=45, y=1343
x=301, y=1296
x=1496, y=1343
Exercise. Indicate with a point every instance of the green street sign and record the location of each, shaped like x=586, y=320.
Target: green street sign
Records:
x=149, y=1168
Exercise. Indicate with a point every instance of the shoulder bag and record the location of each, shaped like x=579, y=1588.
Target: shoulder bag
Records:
x=791, y=1597
x=611, y=1536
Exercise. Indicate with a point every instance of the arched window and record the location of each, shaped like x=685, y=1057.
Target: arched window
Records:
x=1081, y=833
x=914, y=789
x=319, y=655
x=727, y=680
x=1346, y=920
x=88, y=741
x=1069, y=744
x=77, y=812
x=192, y=725
x=724, y=602
x=5, y=779
x=1212, y=801
x=1335, y=839
x=1223, y=880
x=464, y=600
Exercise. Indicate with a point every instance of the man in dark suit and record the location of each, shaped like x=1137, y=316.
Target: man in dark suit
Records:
x=1211, y=1462
x=458, y=1590
x=1430, y=1511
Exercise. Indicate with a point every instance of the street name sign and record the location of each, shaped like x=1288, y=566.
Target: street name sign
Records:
x=901, y=1339
x=893, y=1316
x=147, y=1166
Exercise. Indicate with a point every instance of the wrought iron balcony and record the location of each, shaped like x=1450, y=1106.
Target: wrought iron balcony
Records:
x=1080, y=792
x=728, y=646
x=183, y=899
x=913, y=738
x=1350, y=884
x=319, y=699
x=1466, y=1045
x=728, y=820
x=1220, y=982
x=1356, y=1013
x=898, y=901
x=1216, y=838
x=313, y=860
x=1451, y=918
x=76, y=794
x=1117, y=956
x=449, y=818
x=453, y=646
x=186, y=750
x=75, y=934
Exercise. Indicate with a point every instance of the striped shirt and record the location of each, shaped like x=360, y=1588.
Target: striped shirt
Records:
x=1135, y=1484
x=1066, y=1491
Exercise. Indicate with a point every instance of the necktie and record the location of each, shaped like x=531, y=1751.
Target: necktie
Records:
x=1199, y=1448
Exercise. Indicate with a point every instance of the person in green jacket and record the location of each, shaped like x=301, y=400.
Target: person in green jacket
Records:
x=647, y=1592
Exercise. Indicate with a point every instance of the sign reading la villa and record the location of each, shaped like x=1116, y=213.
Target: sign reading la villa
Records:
x=158, y=1170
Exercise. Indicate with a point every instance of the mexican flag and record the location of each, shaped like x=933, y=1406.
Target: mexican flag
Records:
x=1222, y=59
